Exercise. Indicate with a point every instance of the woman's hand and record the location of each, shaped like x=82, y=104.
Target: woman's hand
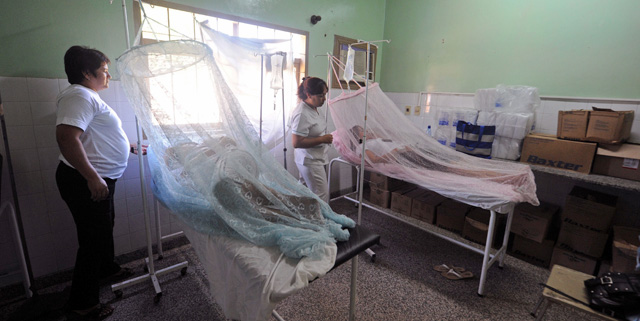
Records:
x=327, y=139
x=310, y=142
x=134, y=149
x=99, y=189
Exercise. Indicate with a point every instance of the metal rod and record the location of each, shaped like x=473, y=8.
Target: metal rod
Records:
x=284, y=125
x=261, y=86
x=16, y=203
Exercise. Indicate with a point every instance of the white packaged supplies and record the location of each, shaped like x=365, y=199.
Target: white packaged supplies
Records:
x=506, y=148
x=448, y=118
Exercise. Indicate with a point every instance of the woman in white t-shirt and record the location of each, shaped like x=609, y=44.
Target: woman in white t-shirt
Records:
x=309, y=136
x=94, y=151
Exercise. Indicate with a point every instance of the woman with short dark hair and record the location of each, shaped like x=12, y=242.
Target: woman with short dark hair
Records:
x=94, y=151
x=309, y=136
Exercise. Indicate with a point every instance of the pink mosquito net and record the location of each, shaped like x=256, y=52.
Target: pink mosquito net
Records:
x=397, y=148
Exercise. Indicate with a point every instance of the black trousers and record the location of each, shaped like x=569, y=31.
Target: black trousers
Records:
x=94, y=226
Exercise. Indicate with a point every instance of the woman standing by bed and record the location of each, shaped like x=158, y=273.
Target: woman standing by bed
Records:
x=309, y=137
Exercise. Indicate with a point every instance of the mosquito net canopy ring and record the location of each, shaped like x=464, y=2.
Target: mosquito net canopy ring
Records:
x=207, y=162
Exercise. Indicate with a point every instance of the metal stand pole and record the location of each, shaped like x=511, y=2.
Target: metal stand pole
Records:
x=19, y=227
x=261, y=85
x=145, y=206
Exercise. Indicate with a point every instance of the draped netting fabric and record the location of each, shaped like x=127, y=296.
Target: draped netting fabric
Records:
x=397, y=148
x=241, y=61
x=206, y=160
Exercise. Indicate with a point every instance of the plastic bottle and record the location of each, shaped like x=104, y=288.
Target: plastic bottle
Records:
x=429, y=130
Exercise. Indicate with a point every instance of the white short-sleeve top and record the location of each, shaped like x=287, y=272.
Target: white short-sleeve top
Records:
x=308, y=122
x=103, y=139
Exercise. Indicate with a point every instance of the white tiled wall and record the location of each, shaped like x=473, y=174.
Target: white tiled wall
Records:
x=29, y=109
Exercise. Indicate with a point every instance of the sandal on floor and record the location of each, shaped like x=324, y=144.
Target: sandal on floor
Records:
x=101, y=312
x=445, y=268
x=454, y=275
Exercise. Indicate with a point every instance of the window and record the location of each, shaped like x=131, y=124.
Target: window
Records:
x=340, y=48
x=171, y=21
x=167, y=21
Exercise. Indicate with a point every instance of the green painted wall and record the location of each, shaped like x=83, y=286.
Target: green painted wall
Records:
x=34, y=34
x=583, y=48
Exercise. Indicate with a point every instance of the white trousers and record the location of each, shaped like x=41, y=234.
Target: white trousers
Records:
x=315, y=178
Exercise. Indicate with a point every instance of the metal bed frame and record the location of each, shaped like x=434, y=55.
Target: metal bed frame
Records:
x=488, y=258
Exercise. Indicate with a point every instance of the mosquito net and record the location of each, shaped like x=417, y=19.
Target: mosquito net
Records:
x=207, y=162
x=257, y=70
x=397, y=148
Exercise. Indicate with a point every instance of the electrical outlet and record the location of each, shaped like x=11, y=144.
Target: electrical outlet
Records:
x=416, y=110
x=407, y=110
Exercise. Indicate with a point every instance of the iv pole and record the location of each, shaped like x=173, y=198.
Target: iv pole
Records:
x=152, y=273
x=284, y=127
x=354, y=263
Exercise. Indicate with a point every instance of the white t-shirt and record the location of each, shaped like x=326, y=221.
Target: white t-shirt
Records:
x=103, y=139
x=308, y=122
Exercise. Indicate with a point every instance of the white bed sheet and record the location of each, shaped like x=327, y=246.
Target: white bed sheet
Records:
x=248, y=281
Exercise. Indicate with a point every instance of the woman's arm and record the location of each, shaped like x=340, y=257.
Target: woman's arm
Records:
x=68, y=138
x=307, y=142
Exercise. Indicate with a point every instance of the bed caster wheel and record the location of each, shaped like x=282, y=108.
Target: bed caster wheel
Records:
x=118, y=293
x=373, y=258
x=183, y=271
x=480, y=295
x=156, y=298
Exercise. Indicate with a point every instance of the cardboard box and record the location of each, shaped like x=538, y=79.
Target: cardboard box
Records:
x=549, y=151
x=533, y=222
x=618, y=161
x=423, y=206
x=476, y=227
x=582, y=240
x=589, y=209
x=379, y=197
x=609, y=127
x=401, y=200
x=383, y=182
x=537, y=253
x=572, y=260
x=450, y=215
x=625, y=249
x=572, y=124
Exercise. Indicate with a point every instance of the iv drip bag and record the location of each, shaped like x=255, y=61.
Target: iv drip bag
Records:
x=348, y=69
x=276, y=72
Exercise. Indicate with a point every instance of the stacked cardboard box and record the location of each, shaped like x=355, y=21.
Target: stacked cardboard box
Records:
x=604, y=126
x=586, y=222
x=625, y=248
x=621, y=161
x=535, y=232
x=402, y=198
x=549, y=151
x=423, y=206
x=451, y=214
x=381, y=188
x=476, y=227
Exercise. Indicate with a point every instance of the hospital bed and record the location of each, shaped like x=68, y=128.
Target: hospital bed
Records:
x=488, y=258
x=248, y=281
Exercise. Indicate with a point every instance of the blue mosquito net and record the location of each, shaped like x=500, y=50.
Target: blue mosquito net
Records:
x=207, y=162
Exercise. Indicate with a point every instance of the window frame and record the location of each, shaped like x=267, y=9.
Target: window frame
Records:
x=300, y=64
x=338, y=42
